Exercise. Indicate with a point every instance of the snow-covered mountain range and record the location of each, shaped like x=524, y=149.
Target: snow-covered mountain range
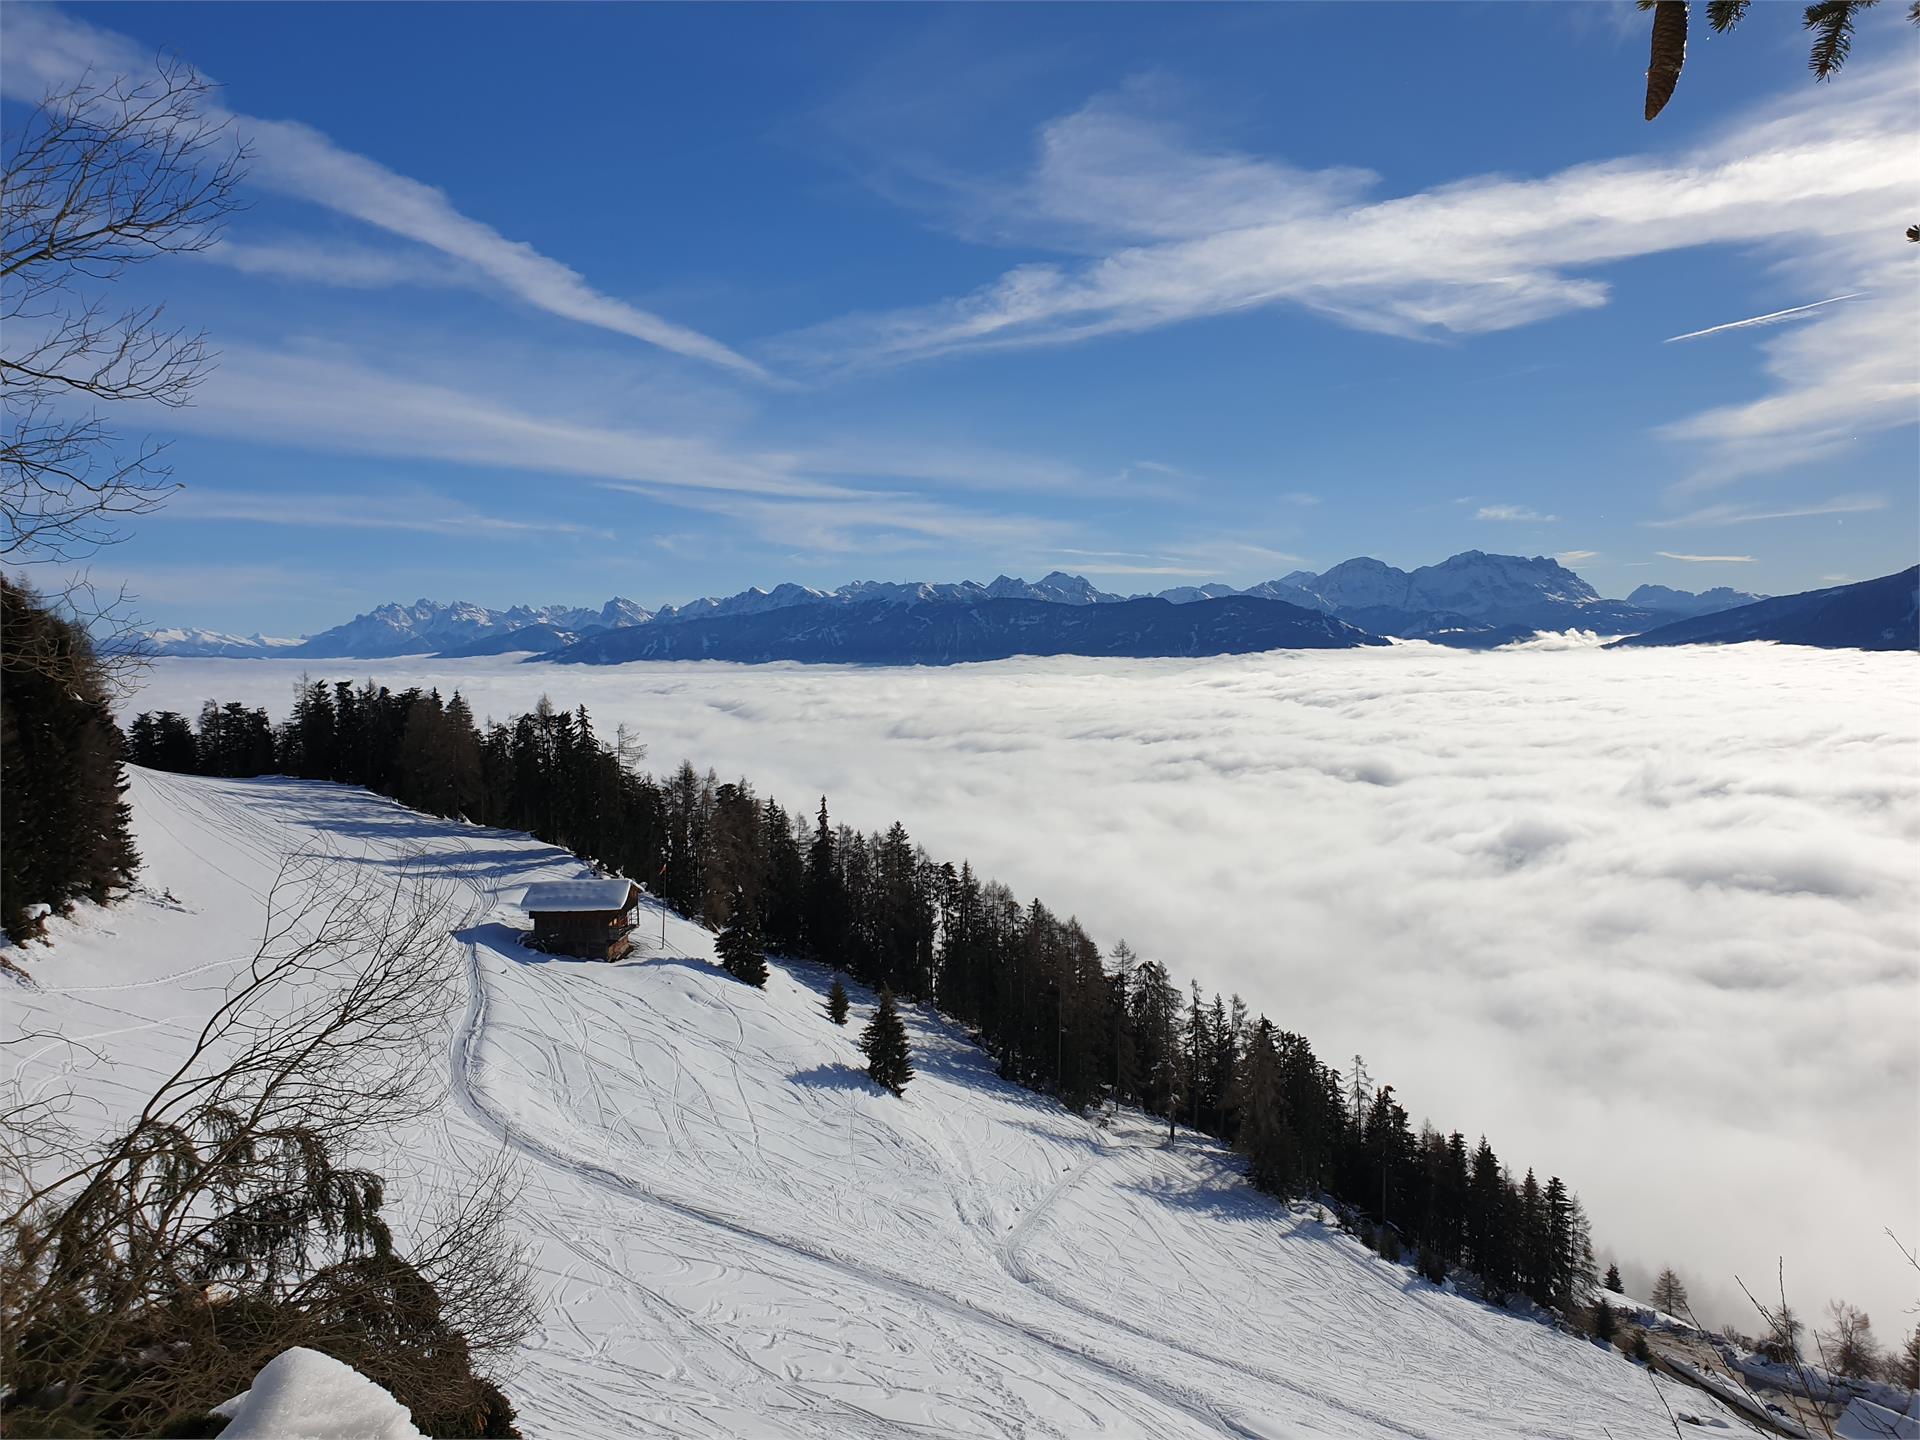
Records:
x=1471, y=598
x=214, y=644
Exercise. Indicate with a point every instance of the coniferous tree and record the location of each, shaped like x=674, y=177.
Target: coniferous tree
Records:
x=460, y=757
x=1904, y=1367
x=837, y=1002
x=884, y=1042
x=64, y=827
x=1605, y=1322
x=1569, y=1247
x=1613, y=1281
x=162, y=740
x=1669, y=1294
x=1265, y=1137
x=739, y=946
x=1156, y=1027
x=1490, y=1233
x=826, y=900
x=1535, y=1243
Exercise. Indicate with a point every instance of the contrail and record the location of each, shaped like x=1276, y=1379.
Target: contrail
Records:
x=1761, y=319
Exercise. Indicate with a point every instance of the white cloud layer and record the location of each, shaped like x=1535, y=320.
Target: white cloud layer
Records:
x=1651, y=919
x=46, y=49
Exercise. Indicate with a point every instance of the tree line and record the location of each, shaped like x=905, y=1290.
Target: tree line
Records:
x=1031, y=984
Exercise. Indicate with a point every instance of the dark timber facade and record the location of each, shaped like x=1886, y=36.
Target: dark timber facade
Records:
x=588, y=919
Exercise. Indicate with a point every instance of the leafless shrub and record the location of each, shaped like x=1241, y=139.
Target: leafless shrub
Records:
x=153, y=1277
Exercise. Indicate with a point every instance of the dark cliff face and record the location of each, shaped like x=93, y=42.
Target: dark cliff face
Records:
x=1877, y=614
x=948, y=634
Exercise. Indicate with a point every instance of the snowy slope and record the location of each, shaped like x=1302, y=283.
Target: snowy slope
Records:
x=211, y=644
x=738, y=1234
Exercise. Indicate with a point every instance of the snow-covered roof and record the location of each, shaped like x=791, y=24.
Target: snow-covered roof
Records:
x=576, y=895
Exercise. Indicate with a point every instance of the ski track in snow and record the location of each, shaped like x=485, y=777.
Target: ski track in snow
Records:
x=736, y=1234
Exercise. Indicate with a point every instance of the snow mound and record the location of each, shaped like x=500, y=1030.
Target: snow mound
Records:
x=301, y=1394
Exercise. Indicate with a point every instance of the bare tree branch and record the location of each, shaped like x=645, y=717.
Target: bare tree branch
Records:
x=100, y=177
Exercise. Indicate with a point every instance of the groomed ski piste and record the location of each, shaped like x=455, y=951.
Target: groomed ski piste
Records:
x=735, y=1233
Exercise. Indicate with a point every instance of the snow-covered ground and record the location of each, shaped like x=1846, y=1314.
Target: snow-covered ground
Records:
x=1649, y=919
x=737, y=1234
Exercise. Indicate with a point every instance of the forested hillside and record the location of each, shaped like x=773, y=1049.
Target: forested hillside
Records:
x=1058, y=1016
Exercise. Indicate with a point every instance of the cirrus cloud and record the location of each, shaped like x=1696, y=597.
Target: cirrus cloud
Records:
x=49, y=50
x=1158, y=228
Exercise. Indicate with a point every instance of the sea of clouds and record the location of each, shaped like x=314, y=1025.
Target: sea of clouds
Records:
x=1649, y=919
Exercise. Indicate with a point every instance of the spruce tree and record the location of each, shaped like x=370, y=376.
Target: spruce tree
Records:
x=64, y=827
x=837, y=1002
x=739, y=945
x=1605, y=1322
x=1569, y=1247
x=884, y=1042
x=1613, y=1280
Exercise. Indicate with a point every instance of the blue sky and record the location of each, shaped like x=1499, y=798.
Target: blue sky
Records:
x=547, y=303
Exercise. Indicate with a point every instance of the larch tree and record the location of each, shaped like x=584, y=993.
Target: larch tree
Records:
x=1669, y=1294
x=1848, y=1345
x=1903, y=1367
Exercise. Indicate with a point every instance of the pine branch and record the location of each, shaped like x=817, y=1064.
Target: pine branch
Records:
x=1723, y=15
x=1832, y=24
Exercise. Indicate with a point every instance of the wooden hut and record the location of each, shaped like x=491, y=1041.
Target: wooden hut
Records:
x=587, y=918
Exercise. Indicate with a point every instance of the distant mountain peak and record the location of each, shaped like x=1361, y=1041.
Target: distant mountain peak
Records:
x=1472, y=593
x=1684, y=604
x=1882, y=614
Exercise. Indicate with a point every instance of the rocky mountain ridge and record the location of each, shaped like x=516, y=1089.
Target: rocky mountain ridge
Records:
x=1473, y=598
